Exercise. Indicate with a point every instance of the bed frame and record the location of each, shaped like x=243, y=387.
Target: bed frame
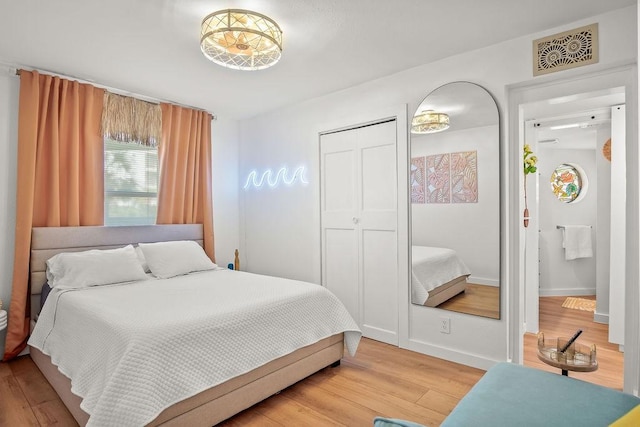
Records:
x=447, y=291
x=208, y=407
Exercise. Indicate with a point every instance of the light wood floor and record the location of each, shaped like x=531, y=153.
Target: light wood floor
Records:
x=380, y=380
x=480, y=300
x=558, y=321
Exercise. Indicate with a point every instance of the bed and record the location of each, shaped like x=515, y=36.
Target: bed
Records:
x=437, y=274
x=175, y=372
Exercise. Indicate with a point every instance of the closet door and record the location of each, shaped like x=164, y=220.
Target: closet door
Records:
x=377, y=232
x=359, y=225
x=339, y=186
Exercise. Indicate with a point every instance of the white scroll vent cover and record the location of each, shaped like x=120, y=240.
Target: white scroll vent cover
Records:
x=573, y=48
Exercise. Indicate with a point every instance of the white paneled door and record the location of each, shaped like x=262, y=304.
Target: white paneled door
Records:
x=359, y=225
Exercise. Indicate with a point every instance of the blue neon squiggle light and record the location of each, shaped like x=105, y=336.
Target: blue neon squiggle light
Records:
x=273, y=180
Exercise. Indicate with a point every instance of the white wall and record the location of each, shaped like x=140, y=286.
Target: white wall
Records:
x=226, y=207
x=557, y=275
x=471, y=229
x=225, y=185
x=280, y=227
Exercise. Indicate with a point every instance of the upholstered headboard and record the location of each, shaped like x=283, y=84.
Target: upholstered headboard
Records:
x=49, y=241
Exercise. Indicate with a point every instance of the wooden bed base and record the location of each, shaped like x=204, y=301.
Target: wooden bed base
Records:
x=225, y=400
x=443, y=293
x=208, y=407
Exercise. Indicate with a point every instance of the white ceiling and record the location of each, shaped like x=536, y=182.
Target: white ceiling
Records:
x=151, y=47
x=591, y=110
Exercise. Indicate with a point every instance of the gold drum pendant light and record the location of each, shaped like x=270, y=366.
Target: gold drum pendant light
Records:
x=429, y=121
x=241, y=39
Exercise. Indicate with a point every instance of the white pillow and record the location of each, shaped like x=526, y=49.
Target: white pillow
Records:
x=142, y=259
x=93, y=268
x=169, y=259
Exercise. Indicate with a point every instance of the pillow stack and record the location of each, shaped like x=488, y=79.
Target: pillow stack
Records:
x=72, y=270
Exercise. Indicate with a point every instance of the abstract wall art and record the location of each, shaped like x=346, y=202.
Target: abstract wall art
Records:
x=417, y=177
x=464, y=177
x=438, y=179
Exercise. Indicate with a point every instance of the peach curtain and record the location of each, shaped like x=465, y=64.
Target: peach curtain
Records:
x=60, y=169
x=184, y=188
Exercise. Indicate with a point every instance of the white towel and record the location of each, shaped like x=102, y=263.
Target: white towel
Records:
x=576, y=242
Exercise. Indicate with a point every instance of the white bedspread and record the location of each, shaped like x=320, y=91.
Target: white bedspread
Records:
x=433, y=267
x=131, y=350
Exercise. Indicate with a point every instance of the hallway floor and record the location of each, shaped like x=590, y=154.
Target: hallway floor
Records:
x=558, y=321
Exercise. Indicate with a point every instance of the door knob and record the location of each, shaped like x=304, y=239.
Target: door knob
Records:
x=356, y=220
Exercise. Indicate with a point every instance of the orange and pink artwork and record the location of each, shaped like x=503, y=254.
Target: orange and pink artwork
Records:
x=438, y=179
x=464, y=177
x=445, y=178
x=417, y=177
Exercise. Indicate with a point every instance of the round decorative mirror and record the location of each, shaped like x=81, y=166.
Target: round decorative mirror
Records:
x=567, y=182
x=455, y=201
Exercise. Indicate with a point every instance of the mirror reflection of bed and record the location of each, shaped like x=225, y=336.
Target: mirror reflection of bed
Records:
x=455, y=201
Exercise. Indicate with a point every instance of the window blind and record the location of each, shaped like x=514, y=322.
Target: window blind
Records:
x=130, y=183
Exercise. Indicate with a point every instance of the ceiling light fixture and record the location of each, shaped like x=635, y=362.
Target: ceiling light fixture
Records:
x=428, y=121
x=241, y=39
x=568, y=126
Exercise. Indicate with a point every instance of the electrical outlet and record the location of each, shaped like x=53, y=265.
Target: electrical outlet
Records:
x=445, y=325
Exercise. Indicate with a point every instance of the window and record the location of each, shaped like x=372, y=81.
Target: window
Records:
x=130, y=183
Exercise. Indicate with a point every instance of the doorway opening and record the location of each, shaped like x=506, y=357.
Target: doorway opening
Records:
x=573, y=238
x=570, y=127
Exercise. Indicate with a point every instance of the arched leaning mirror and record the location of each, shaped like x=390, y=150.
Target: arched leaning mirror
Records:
x=455, y=201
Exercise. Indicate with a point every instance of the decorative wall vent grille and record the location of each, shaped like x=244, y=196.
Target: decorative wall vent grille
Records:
x=573, y=48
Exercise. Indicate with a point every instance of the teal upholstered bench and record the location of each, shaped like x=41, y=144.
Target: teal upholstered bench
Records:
x=514, y=395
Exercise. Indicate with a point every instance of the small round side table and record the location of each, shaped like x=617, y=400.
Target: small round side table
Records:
x=577, y=358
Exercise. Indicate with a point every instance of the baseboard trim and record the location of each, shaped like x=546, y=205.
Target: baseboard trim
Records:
x=601, y=318
x=468, y=359
x=483, y=281
x=567, y=292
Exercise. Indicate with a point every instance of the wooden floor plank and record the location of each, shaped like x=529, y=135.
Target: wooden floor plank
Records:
x=427, y=375
x=377, y=400
x=479, y=300
x=250, y=418
x=392, y=386
x=412, y=360
x=439, y=402
x=5, y=370
x=330, y=404
x=54, y=413
x=34, y=385
x=14, y=406
x=288, y=412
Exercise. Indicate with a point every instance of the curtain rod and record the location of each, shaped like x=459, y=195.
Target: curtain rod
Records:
x=119, y=91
